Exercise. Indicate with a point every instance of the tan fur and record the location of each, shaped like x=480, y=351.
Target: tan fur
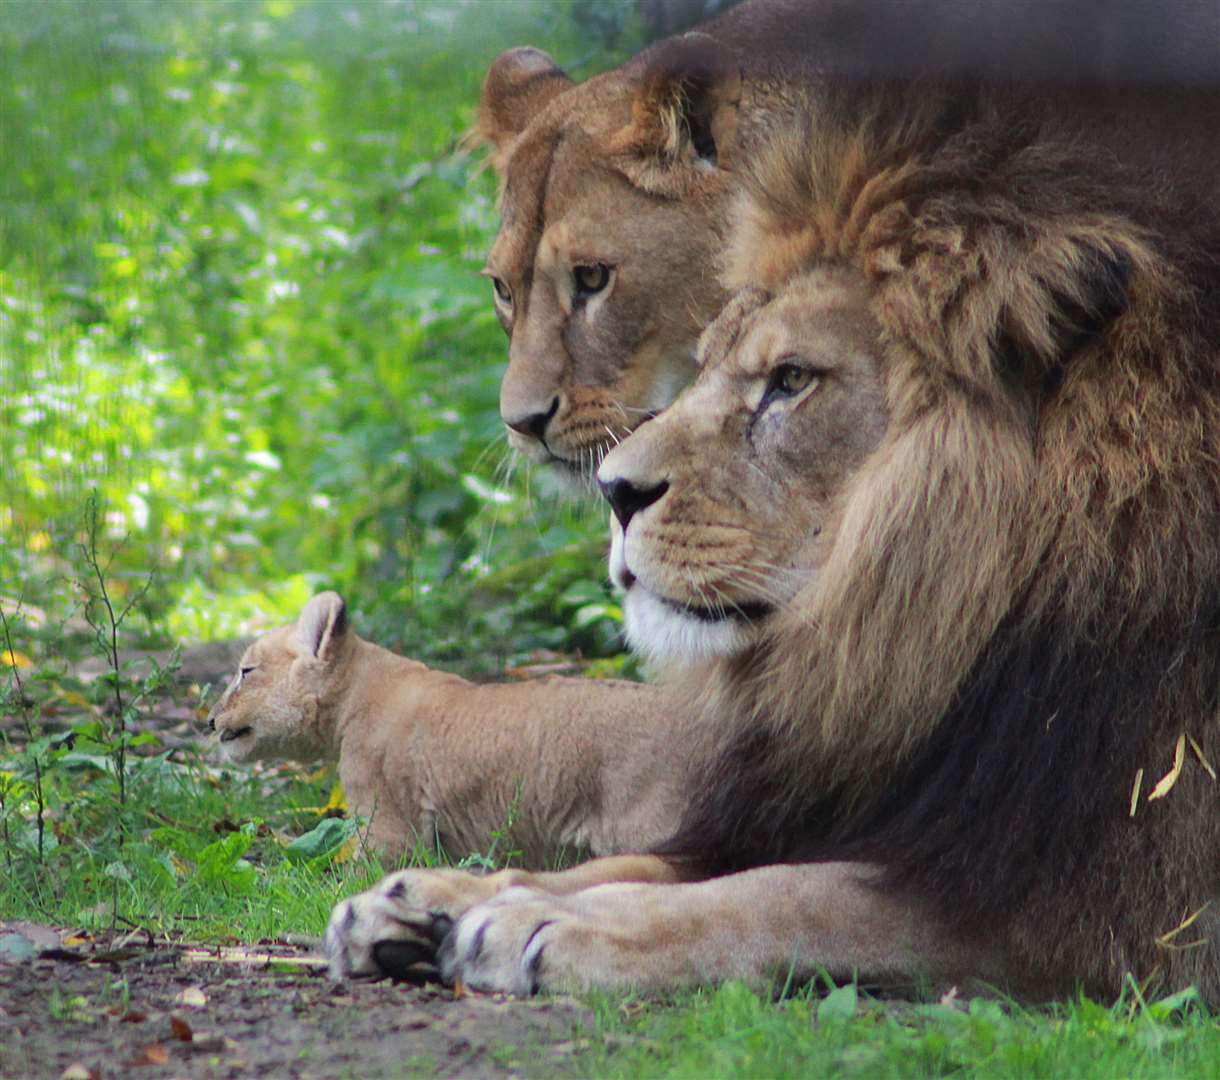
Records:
x=432, y=759
x=986, y=536
x=617, y=171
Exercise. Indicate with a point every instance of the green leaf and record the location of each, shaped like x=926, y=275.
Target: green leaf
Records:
x=1167, y=1006
x=323, y=839
x=839, y=1004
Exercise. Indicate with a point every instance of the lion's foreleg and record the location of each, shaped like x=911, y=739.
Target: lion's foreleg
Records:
x=395, y=927
x=763, y=926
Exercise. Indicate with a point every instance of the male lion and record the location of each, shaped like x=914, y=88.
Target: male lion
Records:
x=614, y=191
x=432, y=759
x=936, y=534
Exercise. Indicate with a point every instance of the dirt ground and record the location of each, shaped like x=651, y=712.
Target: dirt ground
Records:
x=116, y=1007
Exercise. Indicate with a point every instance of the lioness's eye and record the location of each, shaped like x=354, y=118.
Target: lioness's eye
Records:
x=503, y=293
x=590, y=280
x=788, y=380
x=246, y=671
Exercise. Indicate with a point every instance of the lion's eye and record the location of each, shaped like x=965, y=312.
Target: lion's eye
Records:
x=590, y=280
x=788, y=380
x=246, y=671
x=503, y=292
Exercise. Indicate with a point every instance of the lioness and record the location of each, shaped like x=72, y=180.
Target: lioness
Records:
x=431, y=758
x=937, y=535
x=614, y=191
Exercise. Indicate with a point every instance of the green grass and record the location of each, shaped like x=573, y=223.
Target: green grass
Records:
x=732, y=1031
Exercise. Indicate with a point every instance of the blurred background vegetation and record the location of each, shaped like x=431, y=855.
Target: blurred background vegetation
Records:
x=239, y=244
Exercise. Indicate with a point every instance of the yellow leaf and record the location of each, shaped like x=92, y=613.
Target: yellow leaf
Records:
x=347, y=849
x=1202, y=758
x=1135, y=790
x=14, y=659
x=337, y=800
x=1166, y=782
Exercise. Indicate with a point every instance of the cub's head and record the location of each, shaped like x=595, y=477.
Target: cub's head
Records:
x=271, y=708
x=727, y=505
x=603, y=272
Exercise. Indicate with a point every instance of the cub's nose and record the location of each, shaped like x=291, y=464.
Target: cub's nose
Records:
x=533, y=424
x=626, y=499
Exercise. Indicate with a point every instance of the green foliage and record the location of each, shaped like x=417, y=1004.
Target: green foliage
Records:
x=733, y=1031
x=239, y=296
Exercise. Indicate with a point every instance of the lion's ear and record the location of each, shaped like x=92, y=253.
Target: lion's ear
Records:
x=683, y=116
x=519, y=85
x=322, y=626
x=1074, y=291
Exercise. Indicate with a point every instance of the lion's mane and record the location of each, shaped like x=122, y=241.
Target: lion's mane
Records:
x=1020, y=623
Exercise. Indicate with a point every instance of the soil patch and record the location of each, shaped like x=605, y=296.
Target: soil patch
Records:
x=117, y=1007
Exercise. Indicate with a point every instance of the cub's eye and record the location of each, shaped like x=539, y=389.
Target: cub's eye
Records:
x=503, y=292
x=246, y=671
x=590, y=280
x=788, y=380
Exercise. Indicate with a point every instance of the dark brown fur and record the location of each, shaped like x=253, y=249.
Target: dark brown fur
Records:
x=1027, y=610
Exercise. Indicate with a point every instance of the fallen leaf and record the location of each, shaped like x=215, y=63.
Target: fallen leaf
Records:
x=77, y=1071
x=1207, y=765
x=16, y=949
x=41, y=937
x=192, y=997
x=1166, y=782
x=133, y=1017
x=1135, y=790
x=152, y=1054
x=180, y=1029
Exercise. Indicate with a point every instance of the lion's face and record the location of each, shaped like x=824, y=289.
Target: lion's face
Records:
x=603, y=272
x=270, y=706
x=728, y=504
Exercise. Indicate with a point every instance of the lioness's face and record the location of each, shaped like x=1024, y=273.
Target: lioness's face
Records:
x=727, y=505
x=613, y=211
x=602, y=290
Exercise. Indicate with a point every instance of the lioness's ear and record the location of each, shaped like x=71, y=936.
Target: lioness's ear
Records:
x=322, y=625
x=684, y=114
x=519, y=85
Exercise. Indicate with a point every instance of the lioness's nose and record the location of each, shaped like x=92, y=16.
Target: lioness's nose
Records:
x=626, y=499
x=533, y=424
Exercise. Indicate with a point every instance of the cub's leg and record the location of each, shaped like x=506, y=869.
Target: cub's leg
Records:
x=396, y=927
x=761, y=926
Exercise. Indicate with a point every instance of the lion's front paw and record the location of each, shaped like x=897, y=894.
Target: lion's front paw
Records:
x=519, y=943
x=396, y=927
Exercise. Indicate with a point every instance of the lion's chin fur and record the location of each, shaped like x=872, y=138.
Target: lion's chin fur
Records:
x=666, y=637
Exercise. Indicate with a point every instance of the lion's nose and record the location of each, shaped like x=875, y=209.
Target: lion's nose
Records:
x=533, y=424
x=626, y=500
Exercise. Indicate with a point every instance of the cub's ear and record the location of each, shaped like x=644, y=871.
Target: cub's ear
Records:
x=683, y=116
x=322, y=626
x=519, y=85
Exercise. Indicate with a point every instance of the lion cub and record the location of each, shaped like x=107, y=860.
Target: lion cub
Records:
x=430, y=757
